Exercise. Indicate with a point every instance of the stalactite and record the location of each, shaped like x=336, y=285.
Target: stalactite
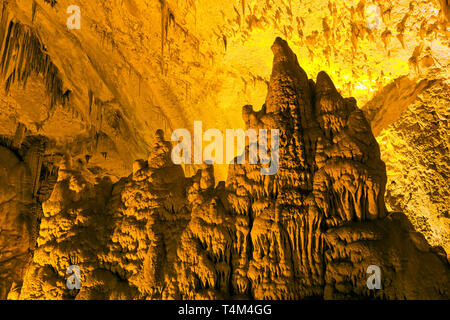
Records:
x=33, y=10
x=51, y=2
x=22, y=54
x=34, y=160
x=91, y=96
x=163, y=31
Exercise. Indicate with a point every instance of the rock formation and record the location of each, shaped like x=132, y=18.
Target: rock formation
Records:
x=17, y=222
x=413, y=133
x=309, y=231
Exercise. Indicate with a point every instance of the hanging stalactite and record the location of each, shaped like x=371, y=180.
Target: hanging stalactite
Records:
x=23, y=54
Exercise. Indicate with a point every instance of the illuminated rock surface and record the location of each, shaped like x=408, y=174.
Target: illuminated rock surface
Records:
x=100, y=94
x=311, y=230
x=415, y=148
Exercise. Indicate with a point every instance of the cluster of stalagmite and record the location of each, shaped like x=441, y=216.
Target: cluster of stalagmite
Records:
x=72, y=232
x=308, y=231
x=329, y=174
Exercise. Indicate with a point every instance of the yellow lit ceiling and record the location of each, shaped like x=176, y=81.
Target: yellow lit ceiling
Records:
x=153, y=64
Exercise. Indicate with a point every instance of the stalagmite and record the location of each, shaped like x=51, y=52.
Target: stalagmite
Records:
x=308, y=231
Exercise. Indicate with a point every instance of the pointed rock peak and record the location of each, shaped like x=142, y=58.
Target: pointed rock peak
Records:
x=324, y=84
x=160, y=151
x=284, y=59
x=330, y=101
x=159, y=135
x=282, y=51
x=287, y=76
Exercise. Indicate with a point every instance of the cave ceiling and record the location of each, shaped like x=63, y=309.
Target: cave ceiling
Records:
x=136, y=66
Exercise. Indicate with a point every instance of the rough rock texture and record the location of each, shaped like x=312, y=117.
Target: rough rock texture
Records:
x=17, y=222
x=72, y=232
x=413, y=134
x=329, y=174
x=101, y=92
x=310, y=231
